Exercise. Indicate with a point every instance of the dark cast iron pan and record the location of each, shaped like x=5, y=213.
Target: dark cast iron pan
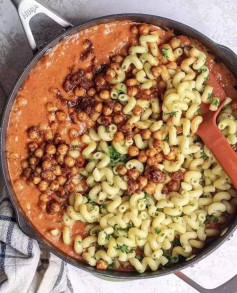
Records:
x=26, y=10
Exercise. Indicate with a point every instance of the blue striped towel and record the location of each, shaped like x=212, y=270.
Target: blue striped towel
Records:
x=24, y=265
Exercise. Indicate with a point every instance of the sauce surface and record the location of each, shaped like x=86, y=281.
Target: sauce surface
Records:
x=41, y=86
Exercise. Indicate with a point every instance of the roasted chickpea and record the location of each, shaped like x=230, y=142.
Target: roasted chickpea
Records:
x=27, y=173
x=173, y=186
x=95, y=116
x=118, y=118
x=107, y=110
x=61, y=116
x=74, y=170
x=54, y=126
x=145, y=133
x=48, y=175
x=101, y=265
x=152, y=161
x=61, y=180
x=122, y=170
x=89, y=123
x=54, y=185
x=133, y=173
x=44, y=197
x=151, y=152
x=79, y=91
x=158, y=145
x=82, y=116
x=43, y=185
x=143, y=29
x=43, y=206
x=118, y=59
x=159, y=134
x=36, y=180
x=159, y=157
x=131, y=82
x=50, y=149
x=60, y=159
x=24, y=164
x=48, y=134
x=46, y=164
x=57, y=138
x=32, y=146
x=81, y=162
x=104, y=95
x=171, y=155
x=51, y=108
x=118, y=136
x=117, y=108
x=38, y=153
x=134, y=30
x=132, y=91
x=38, y=170
x=98, y=107
x=69, y=161
x=99, y=80
x=142, y=157
x=73, y=133
x=62, y=149
x=150, y=188
x=138, y=110
x=32, y=161
x=33, y=132
x=71, y=187
x=55, y=208
x=156, y=71
x=133, y=151
x=57, y=170
x=91, y=92
x=142, y=180
x=110, y=72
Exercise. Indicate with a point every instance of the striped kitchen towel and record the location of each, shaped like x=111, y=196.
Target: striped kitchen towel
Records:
x=24, y=265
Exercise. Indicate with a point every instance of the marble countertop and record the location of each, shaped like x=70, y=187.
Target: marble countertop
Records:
x=214, y=18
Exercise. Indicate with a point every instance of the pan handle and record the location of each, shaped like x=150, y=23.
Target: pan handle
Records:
x=228, y=287
x=28, y=9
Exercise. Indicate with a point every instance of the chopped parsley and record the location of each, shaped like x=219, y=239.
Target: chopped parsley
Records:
x=176, y=242
x=199, y=111
x=96, y=232
x=119, y=91
x=79, y=242
x=111, y=266
x=204, y=156
x=157, y=231
x=103, y=206
x=201, y=70
x=210, y=96
x=124, y=248
x=117, y=228
x=167, y=138
x=139, y=257
x=115, y=157
x=165, y=52
x=212, y=219
x=92, y=203
x=146, y=199
x=229, y=116
x=107, y=237
x=172, y=259
x=215, y=102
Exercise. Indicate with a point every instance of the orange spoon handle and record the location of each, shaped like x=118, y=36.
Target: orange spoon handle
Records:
x=222, y=151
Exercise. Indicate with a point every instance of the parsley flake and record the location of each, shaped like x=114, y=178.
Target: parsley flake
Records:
x=165, y=52
x=215, y=102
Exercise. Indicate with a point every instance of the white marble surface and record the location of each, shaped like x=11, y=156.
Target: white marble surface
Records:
x=217, y=19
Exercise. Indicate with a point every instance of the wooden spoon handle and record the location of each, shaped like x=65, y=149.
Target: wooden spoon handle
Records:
x=222, y=151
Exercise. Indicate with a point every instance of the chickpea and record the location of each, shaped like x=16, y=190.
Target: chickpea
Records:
x=131, y=82
x=159, y=157
x=57, y=170
x=145, y=133
x=110, y=72
x=118, y=59
x=118, y=136
x=48, y=175
x=159, y=134
x=54, y=126
x=61, y=180
x=73, y=133
x=89, y=123
x=142, y=157
x=24, y=164
x=158, y=145
x=33, y=145
x=134, y=174
x=99, y=80
x=81, y=162
x=46, y=164
x=79, y=91
x=133, y=151
x=117, y=108
x=60, y=159
x=62, y=149
x=98, y=107
x=48, y=134
x=91, y=92
x=156, y=71
x=170, y=156
x=74, y=170
x=54, y=185
x=150, y=188
x=95, y=116
x=101, y=265
x=71, y=187
x=118, y=118
x=39, y=153
x=50, y=149
x=134, y=30
x=27, y=172
x=152, y=161
x=32, y=161
x=142, y=180
x=82, y=116
x=132, y=91
x=69, y=161
x=138, y=110
x=122, y=170
x=57, y=138
x=36, y=180
x=44, y=197
x=51, y=108
x=61, y=116
x=143, y=29
x=151, y=152
x=104, y=95
x=107, y=110
x=55, y=208
x=43, y=185
x=43, y=206
x=173, y=186
x=38, y=170
x=33, y=132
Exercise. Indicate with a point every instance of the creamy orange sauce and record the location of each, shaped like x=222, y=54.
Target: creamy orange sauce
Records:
x=45, y=79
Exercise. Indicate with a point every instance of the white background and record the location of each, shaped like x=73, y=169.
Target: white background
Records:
x=215, y=18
